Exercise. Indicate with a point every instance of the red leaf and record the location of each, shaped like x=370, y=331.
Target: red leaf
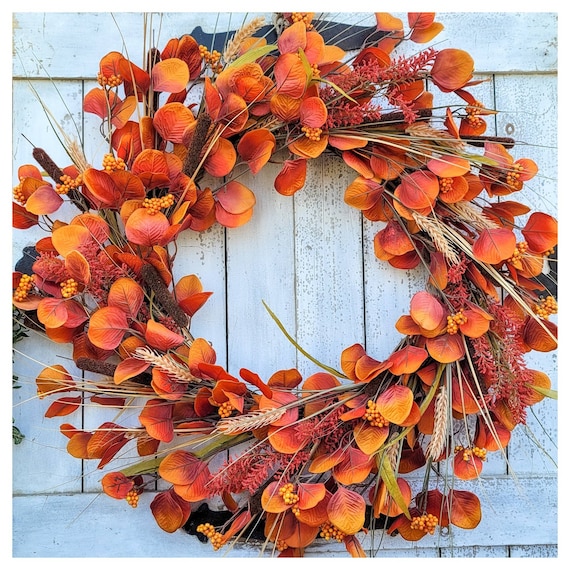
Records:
x=63, y=407
x=170, y=511
x=156, y=417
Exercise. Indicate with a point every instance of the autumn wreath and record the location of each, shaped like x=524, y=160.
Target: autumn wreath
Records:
x=322, y=457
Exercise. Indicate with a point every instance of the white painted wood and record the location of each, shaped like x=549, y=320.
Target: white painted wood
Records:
x=102, y=527
x=309, y=257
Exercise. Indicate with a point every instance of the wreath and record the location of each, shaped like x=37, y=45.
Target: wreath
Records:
x=325, y=456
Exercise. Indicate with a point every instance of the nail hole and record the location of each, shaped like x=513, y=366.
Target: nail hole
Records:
x=509, y=128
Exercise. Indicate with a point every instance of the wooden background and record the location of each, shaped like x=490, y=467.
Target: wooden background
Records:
x=309, y=258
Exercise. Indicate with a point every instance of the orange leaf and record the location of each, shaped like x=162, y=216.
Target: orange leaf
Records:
x=446, y=348
x=407, y=360
x=313, y=112
x=293, y=38
x=307, y=148
x=63, y=406
x=127, y=295
x=310, y=494
x=424, y=35
x=449, y=166
x=45, y=200
x=104, y=444
x=395, y=403
x=363, y=193
x=170, y=75
x=427, y=311
x=452, y=69
x=235, y=198
x=77, y=267
x=116, y=485
x=494, y=245
x=144, y=228
x=418, y=190
x=287, y=379
x=326, y=461
x=52, y=312
x=465, y=509
x=180, y=467
x=200, y=351
x=221, y=160
x=346, y=510
x=102, y=186
x=21, y=218
x=387, y=23
x=354, y=468
x=271, y=500
x=541, y=232
x=539, y=380
x=286, y=439
x=540, y=335
x=256, y=148
x=156, y=417
x=53, y=379
x=129, y=368
x=159, y=336
x=290, y=75
x=71, y=237
x=107, y=327
x=292, y=176
x=197, y=490
x=349, y=358
x=169, y=510
x=370, y=438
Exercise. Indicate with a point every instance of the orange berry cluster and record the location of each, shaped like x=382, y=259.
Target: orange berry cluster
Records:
x=427, y=523
x=373, y=416
x=111, y=163
x=212, y=58
x=24, y=287
x=68, y=183
x=154, y=205
x=455, y=321
x=473, y=111
x=215, y=537
x=287, y=491
x=479, y=452
x=109, y=81
x=513, y=177
x=316, y=72
x=304, y=17
x=520, y=249
x=313, y=133
x=18, y=195
x=225, y=410
x=281, y=545
x=329, y=531
x=445, y=185
x=132, y=498
x=69, y=288
x=546, y=307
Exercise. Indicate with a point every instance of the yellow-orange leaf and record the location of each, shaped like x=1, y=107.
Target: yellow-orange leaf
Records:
x=494, y=245
x=465, y=509
x=346, y=510
x=127, y=295
x=395, y=403
x=53, y=379
x=426, y=310
x=446, y=348
x=169, y=510
x=170, y=75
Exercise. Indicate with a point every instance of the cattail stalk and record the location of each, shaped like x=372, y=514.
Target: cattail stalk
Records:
x=163, y=295
x=45, y=161
x=199, y=138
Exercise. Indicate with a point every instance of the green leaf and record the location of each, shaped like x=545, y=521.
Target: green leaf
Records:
x=389, y=478
x=337, y=88
x=553, y=394
x=307, y=66
x=252, y=55
x=300, y=349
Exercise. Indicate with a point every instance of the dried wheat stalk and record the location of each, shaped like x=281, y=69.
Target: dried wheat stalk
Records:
x=232, y=47
x=433, y=228
x=254, y=420
x=439, y=436
x=165, y=363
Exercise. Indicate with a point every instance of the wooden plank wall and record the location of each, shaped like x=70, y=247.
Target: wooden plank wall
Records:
x=308, y=257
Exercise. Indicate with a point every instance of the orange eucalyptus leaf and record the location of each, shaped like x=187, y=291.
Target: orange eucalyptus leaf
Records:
x=426, y=310
x=286, y=439
x=384, y=504
x=395, y=403
x=116, y=485
x=102, y=186
x=478, y=321
x=53, y=379
x=346, y=510
x=317, y=382
x=287, y=379
x=310, y=494
x=170, y=75
x=170, y=511
x=63, y=406
x=290, y=75
x=107, y=327
x=354, y=468
x=159, y=336
x=293, y=38
x=98, y=228
x=106, y=442
x=197, y=490
x=538, y=380
x=108, y=401
x=368, y=368
x=307, y=148
x=200, y=351
x=361, y=165
x=326, y=461
x=254, y=379
x=446, y=348
x=285, y=107
x=394, y=239
x=78, y=267
x=77, y=445
x=353, y=547
x=69, y=238
x=127, y=295
x=256, y=148
x=291, y=177
x=52, y=312
x=146, y=229
x=152, y=169
x=452, y=69
x=156, y=417
x=317, y=515
x=407, y=360
x=349, y=358
x=424, y=35
x=541, y=232
x=363, y=193
x=166, y=386
x=465, y=509
x=313, y=112
x=221, y=160
x=449, y=166
x=271, y=500
x=45, y=200
x=540, y=335
x=494, y=245
x=387, y=23
x=418, y=190
x=21, y=218
x=370, y=438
